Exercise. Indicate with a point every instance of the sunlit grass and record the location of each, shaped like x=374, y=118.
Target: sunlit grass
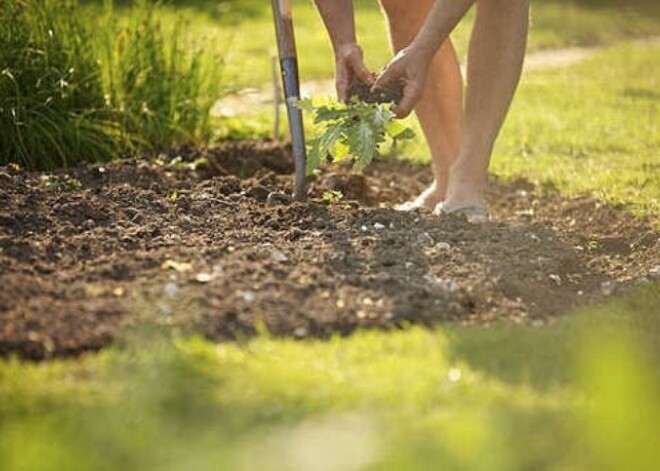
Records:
x=77, y=86
x=592, y=128
x=240, y=32
x=580, y=394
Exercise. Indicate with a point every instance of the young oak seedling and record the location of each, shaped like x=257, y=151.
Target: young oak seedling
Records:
x=355, y=129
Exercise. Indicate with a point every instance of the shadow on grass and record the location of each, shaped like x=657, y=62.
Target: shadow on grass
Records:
x=546, y=357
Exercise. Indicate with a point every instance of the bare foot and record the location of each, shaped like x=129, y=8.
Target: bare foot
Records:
x=464, y=197
x=428, y=199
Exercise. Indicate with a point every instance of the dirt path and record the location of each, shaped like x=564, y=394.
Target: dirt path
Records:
x=202, y=250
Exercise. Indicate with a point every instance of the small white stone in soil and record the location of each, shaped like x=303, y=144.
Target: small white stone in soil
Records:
x=279, y=256
x=171, y=289
x=204, y=277
x=249, y=296
x=607, y=287
x=378, y=226
x=364, y=228
x=449, y=286
x=555, y=278
x=442, y=246
x=217, y=269
x=425, y=238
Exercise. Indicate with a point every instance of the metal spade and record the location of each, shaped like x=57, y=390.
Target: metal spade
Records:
x=286, y=46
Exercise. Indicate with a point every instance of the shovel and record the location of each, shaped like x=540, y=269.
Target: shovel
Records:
x=286, y=46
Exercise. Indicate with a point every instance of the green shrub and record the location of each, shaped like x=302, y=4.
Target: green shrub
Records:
x=52, y=111
x=160, y=84
x=75, y=87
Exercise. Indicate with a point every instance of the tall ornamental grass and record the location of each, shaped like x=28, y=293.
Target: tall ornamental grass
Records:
x=78, y=87
x=52, y=110
x=160, y=83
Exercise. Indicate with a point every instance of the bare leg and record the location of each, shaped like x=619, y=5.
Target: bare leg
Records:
x=495, y=60
x=440, y=108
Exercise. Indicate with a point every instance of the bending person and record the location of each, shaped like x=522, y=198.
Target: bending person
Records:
x=460, y=140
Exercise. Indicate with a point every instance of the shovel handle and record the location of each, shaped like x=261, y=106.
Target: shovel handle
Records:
x=286, y=46
x=286, y=42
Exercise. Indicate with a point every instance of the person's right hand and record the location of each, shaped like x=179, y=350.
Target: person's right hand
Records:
x=349, y=67
x=409, y=68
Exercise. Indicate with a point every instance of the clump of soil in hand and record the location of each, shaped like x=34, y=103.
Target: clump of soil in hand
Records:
x=390, y=94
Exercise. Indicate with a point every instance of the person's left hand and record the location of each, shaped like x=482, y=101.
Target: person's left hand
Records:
x=409, y=67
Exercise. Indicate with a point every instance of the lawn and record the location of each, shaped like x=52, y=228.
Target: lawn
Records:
x=593, y=128
x=240, y=32
x=580, y=394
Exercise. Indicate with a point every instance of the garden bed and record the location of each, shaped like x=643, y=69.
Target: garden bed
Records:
x=194, y=244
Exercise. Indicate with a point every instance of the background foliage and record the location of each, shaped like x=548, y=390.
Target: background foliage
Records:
x=76, y=86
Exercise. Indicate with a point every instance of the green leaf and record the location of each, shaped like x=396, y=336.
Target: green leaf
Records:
x=395, y=127
x=363, y=143
x=322, y=145
x=313, y=156
x=325, y=113
x=355, y=129
x=341, y=151
x=407, y=133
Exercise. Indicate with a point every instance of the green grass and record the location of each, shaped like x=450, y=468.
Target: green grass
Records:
x=52, y=109
x=242, y=33
x=77, y=86
x=581, y=394
x=592, y=128
x=163, y=84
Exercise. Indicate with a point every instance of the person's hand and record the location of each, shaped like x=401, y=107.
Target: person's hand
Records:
x=349, y=67
x=409, y=68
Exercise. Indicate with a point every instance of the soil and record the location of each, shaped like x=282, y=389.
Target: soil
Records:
x=390, y=94
x=188, y=240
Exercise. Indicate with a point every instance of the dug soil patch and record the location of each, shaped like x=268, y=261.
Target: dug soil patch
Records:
x=192, y=242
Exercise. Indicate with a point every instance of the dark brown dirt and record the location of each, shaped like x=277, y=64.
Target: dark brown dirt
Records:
x=79, y=265
x=390, y=94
